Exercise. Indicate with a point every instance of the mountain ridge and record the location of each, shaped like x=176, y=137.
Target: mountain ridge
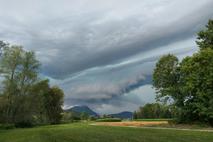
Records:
x=81, y=109
x=123, y=115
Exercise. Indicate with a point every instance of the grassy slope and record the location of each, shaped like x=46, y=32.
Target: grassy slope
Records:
x=85, y=133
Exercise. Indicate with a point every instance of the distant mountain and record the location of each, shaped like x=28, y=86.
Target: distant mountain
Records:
x=123, y=115
x=81, y=109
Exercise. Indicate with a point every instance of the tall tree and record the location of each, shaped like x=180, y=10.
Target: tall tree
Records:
x=197, y=85
x=19, y=69
x=28, y=72
x=53, y=104
x=165, y=79
x=189, y=83
x=38, y=92
x=25, y=99
x=10, y=62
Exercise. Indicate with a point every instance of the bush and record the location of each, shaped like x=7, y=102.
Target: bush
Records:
x=172, y=121
x=7, y=126
x=24, y=124
x=211, y=122
x=157, y=119
x=109, y=120
x=92, y=118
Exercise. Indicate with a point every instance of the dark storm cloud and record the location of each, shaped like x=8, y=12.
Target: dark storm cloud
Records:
x=102, y=53
x=77, y=41
x=149, y=38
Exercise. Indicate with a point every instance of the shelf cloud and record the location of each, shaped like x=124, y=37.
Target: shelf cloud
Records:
x=102, y=53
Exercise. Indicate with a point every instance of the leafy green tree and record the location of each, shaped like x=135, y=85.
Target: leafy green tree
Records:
x=197, y=81
x=10, y=62
x=67, y=117
x=153, y=110
x=3, y=109
x=84, y=116
x=38, y=91
x=28, y=74
x=166, y=79
x=205, y=37
x=135, y=115
x=53, y=104
x=189, y=83
x=92, y=118
x=19, y=69
x=26, y=100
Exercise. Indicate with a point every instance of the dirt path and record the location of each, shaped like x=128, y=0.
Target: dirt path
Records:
x=133, y=123
x=146, y=125
x=182, y=129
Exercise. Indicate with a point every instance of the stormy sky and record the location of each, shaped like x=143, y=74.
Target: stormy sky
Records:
x=102, y=53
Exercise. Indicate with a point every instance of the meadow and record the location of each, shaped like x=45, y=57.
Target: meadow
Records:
x=84, y=132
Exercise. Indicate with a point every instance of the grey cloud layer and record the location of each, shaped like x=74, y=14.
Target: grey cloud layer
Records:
x=99, y=52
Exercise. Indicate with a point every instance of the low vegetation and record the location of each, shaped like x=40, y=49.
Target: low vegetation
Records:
x=153, y=111
x=80, y=132
x=109, y=120
x=160, y=119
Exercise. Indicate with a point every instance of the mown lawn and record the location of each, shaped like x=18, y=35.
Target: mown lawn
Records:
x=80, y=132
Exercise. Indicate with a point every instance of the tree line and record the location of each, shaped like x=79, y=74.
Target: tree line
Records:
x=154, y=111
x=188, y=83
x=25, y=98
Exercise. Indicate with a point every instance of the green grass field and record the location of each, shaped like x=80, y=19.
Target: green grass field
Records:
x=82, y=132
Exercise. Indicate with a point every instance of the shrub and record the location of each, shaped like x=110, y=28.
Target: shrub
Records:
x=211, y=122
x=109, y=120
x=92, y=118
x=7, y=126
x=24, y=124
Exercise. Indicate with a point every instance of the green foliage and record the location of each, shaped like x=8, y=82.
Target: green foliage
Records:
x=84, y=116
x=7, y=126
x=135, y=115
x=68, y=117
x=190, y=82
x=109, y=120
x=38, y=108
x=3, y=108
x=205, y=37
x=197, y=85
x=19, y=69
x=154, y=110
x=165, y=78
x=92, y=118
x=53, y=102
x=25, y=100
